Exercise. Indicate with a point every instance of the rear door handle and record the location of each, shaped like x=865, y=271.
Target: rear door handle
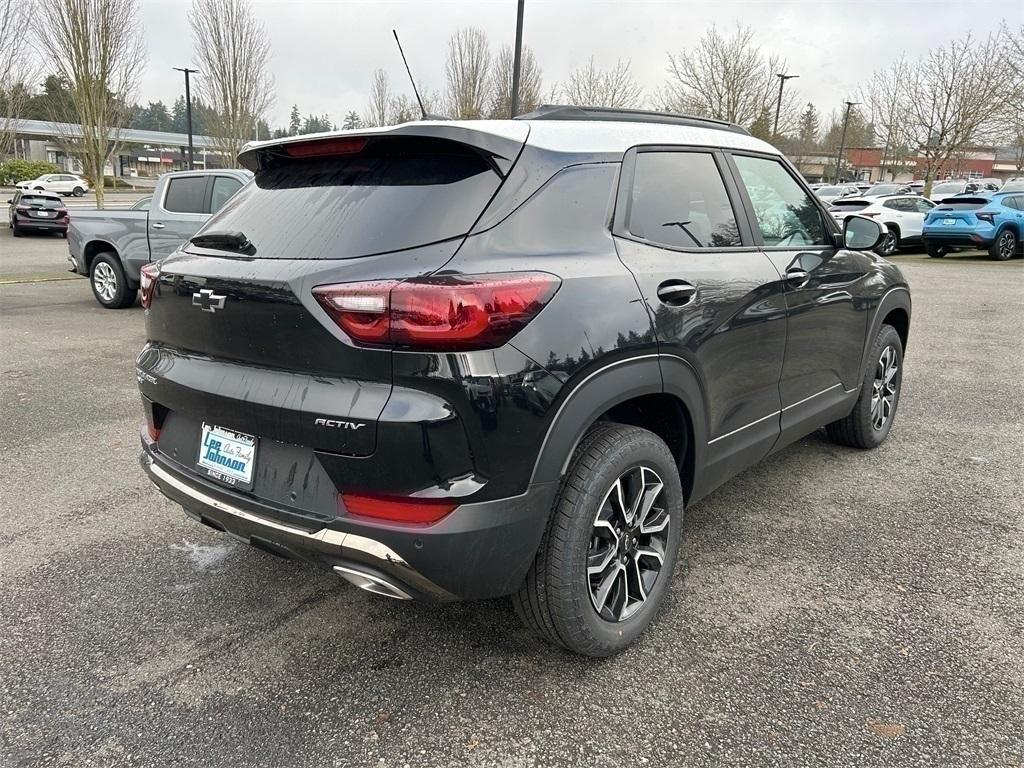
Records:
x=676, y=293
x=797, y=277
x=158, y=225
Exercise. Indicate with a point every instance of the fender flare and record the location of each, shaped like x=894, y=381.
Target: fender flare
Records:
x=605, y=388
x=897, y=297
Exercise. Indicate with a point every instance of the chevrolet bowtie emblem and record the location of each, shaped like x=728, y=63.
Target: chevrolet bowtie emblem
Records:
x=207, y=300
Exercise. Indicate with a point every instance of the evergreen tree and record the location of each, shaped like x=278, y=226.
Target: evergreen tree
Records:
x=352, y=121
x=295, y=121
x=810, y=127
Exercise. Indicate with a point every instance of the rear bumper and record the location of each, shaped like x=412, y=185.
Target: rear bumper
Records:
x=46, y=225
x=958, y=239
x=480, y=550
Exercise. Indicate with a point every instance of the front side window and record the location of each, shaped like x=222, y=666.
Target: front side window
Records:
x=186, y=194
x=923, y=206
x=786, y=214
x=679, y=200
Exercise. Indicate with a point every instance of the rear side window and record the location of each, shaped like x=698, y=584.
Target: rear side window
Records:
x=397, y=193
x=679, y=200
x=785, y=213
x=186, y=194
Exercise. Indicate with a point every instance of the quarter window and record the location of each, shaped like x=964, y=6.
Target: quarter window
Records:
x=679, y=200
x=186, y=194
x=785, y=213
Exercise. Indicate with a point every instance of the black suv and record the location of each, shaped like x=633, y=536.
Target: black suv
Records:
x=458, y=360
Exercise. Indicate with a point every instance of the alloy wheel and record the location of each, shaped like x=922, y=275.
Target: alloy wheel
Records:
x=888, y=246
x=104, y=281
x=884, y=388
x=628, y=543
x=1006, y=245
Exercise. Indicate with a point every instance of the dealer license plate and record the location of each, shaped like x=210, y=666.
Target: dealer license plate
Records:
x=948, y=222
x=227, y=456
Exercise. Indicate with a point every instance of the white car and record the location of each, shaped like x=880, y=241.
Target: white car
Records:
x=944, y=189
x=902, y=215
x=62, y=183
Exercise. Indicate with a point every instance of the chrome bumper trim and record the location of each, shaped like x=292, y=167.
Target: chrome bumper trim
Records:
x=326, y=536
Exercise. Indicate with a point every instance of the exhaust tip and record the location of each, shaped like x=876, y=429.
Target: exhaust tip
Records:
x=371, y=583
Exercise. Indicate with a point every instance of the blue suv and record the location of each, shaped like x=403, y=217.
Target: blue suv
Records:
x=995, y=225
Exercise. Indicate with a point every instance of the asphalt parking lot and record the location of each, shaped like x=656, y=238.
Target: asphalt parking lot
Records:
x=832, y=607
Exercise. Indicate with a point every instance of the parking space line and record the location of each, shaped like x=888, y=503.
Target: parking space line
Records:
x=39, y=279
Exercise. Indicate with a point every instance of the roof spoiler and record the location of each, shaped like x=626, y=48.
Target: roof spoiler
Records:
x=501, y=141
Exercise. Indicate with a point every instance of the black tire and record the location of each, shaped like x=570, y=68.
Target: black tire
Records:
x=15, y=230
x=77, y=191
x=555, y=600
x=109, y=284
x=860, y=428
x=890, y=243
x=935, y=251
x=1004, y=246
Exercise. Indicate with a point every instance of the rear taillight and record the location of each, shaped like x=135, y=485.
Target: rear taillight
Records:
x=398, y=510
x=989, y=217
x=153, y=431
x=149, y=277
x=443, y=313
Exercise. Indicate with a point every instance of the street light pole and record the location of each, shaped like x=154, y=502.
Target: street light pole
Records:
x=188, y=113
x=517, y=60
x=778, y=105
x=842, y=139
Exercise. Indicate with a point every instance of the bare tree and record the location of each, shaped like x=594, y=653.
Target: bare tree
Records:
x=380, y=100
x=467, y=73
x=402, y=109
x=233, y=55
x=590, y=86
x=18, y=68
x=96, y=47
x=728, y=78
x=884, y=95
x=1012, y=109
x=501, y=83
x=951, y=96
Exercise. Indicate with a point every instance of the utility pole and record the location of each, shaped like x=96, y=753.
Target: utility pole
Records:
x=778, y=105
x=517, y=60
x=842, y=139
x=188, y=113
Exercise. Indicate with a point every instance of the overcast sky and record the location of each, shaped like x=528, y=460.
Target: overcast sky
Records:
x=324, y=52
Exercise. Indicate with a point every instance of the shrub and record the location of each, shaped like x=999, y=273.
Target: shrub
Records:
x=13, y=171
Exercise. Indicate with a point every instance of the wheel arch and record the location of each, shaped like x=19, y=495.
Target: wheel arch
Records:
x=93, y=249
x=629, y=391
x=894, y=309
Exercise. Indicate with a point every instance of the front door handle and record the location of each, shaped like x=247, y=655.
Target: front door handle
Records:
x=676, y=293
x=158, y=225
x=797, y=277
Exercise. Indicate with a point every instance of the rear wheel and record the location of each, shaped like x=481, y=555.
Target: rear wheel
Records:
x=890, y=243
x=78, y=192
x=15, y=230
x=109, y=284
x=1004, y=247
x=935, y=251
x=605, y=564
x=869, y=422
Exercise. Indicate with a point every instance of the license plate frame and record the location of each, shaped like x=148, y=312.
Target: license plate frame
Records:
x=949, y=222
x=227, y=456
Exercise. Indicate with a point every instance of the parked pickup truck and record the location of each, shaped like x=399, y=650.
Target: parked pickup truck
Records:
x=110, y=247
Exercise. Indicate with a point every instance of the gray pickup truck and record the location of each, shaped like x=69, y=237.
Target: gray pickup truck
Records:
x=110, y=247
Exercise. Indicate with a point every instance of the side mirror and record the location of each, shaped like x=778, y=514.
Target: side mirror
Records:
x=861, y=233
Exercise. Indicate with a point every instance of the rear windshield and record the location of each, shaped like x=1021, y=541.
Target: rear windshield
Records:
x=967, y=204
x=939, y=189
x=41, y=201
x=830, y=191
x=397, y=193
x=849, y=205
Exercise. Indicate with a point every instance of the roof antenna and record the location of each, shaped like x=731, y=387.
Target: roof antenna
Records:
x=418, y=99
